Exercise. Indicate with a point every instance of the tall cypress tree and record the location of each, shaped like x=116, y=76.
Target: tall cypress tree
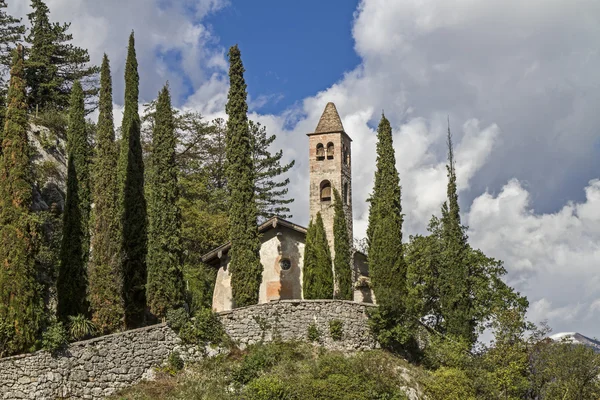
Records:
x=54, y=64
x=132, y=201
x=105, y=279
x=386, y=263
x=245, y=266
x=21, y=306
x=71, y=284
x=455, y=299
x=11, y=33
x=317, y=275
x=165, y=289
x=343, y=258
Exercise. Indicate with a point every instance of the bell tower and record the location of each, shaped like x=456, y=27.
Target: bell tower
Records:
x=330, y=167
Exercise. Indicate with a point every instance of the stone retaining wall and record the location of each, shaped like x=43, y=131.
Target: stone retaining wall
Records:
x=99, y=367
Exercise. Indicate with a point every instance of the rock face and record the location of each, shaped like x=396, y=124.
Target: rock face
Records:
x=97, y=368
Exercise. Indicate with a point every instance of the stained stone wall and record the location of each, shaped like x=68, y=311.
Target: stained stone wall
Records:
x=99, y=367
x=290, y=319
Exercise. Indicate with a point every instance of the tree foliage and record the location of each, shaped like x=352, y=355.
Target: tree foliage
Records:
x=342, y=262
x=131, y=198
x=72, y=275
x=105, y=278
x=165, y=278
x=11, y=33
x=21, y=307
x=54, y=64
x=245, y=266
x=317, y=274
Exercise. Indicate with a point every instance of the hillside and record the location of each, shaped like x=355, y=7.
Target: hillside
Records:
x=290, y=370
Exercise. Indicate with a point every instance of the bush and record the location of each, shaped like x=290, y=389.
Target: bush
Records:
x=313, y=333
x=177, y=319
x=81, y=328
x=260, y=359
x=175, y=361
x=205, y=328
x=266, y=388
x=55, y=337
x=336, y=329
x=450, y=384
x=7, y=333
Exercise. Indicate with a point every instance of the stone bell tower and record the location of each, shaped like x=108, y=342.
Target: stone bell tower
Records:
x=330, y=167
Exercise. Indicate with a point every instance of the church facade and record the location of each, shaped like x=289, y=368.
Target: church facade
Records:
x=282, y=242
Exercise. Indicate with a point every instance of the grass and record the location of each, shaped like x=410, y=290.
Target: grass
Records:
x=284, y=371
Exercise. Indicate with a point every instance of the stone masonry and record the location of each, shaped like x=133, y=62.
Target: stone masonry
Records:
x=99, y=367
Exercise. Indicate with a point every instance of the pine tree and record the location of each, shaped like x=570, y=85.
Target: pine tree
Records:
x=270, y=192
x=343, y=258
x=21, y=307
x=105, y=279
x=11, y=33
x=245, y=266
x=132, y=201
x=317, y=275
x=71, y=284
x=386, y=263
x=455, y=298
x=54, y=64
x=165, y=289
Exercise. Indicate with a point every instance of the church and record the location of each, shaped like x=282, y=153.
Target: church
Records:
x=282, y=242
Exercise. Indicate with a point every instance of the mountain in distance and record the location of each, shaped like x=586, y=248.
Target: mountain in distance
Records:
x=576, y=338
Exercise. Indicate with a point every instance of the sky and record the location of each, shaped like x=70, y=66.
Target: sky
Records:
x=518, y=80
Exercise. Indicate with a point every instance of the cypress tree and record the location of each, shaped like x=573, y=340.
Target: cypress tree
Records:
x=54, y=64
x=245, y=266
x=317, y=275
x=386, y=263
x=342, y=262
x=165, y=289
x=11, y=32
x=71, y=284
x=455, y=299
x=132, y=201
x=21, y=306
x=105, y=279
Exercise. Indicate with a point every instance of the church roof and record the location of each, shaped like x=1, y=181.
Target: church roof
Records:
x=330, y=120
x=271, y=223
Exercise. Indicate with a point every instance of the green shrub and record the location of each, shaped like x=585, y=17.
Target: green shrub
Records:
x=313, y=333
x=55, y=121
x=175, y=361
x=336, y=329
x=55, y=337
x=177, y=319
x=266, y=388
x=81, y=328
x=7, y=333
x=450, y=384
x=205, y=328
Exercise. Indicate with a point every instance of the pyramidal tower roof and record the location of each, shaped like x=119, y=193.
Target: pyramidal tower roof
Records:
x=330, y=120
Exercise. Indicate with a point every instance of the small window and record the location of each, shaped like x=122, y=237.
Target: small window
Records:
x=325, y=191
x=320, y=152
x=330, y=151
x=346, y=156
x=346, y=194
x=285, y=264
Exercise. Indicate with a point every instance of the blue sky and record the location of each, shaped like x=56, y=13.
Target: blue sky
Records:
x=520, y=81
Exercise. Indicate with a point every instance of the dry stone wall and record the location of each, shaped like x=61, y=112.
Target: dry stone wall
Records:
x=99, y=367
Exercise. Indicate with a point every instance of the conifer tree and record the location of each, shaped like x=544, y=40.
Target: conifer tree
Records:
x=246, y=269
x=105, y=278
x=270, y=192
x=132, y=201
x=165, y=289
x=71, y=284
x=11, y=33
x=21, y=306
x=455, y=299
x=343, y=258
x=386, y=263
x=54, y=64
x=317, y=275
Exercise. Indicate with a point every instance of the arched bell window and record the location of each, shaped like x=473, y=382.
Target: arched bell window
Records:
x=330, y=151
x=320, y=152
x=325, y=191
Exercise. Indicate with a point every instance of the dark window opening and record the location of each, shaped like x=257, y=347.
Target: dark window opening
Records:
x=320, y=152
x=346, y=194
x=330, y=151
x=325, y=191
